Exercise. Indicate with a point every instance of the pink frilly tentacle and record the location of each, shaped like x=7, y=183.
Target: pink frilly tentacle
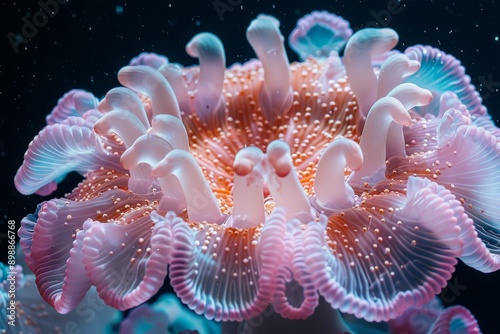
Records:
x=61, y=148
x=379, y=257
x=227, y=274
x=127, y=263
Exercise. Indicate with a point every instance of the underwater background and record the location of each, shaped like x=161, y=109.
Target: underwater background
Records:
x=85, y=43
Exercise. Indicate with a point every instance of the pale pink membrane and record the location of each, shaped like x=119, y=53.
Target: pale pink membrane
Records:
x=221, y=284
x=446, y=129
x=422, y=136
x=463, y=146
x=330, y=188
x=59, y=149
x=334, y=70
x=150, y=59
x=150, y=82
x=318, y=34
x=127, y=263
x=360, y=49
x=283, y=183
x=449, y=100
x=373, y=141
x=34, y=316
x=209, y=102
x=74, y=103
x=275, y=94
x=385, y=261
x=410, y=96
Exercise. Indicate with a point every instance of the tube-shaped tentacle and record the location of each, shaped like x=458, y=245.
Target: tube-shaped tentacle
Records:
x=146, y=80
x=360, y=49
x=283, y=183
x=332, y=192
x=410, y=96
x=373, y=141
x=139, y=159
x=248, y=193
x=171, y=129
x=174, y=76
x=148, y=149
x=123, y=123
x=201, y=202
x=265, y=38
x=393, y=71
x=208, y=100
x=126, y=99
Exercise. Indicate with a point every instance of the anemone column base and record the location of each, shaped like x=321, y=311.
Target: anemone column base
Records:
x=325, y=320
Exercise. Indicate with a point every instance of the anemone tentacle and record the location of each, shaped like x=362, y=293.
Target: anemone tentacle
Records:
x=360, y=49
x=74, y=103
x=209, y=102
x=332, y=192
x=266, y=40
x=373, y=141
